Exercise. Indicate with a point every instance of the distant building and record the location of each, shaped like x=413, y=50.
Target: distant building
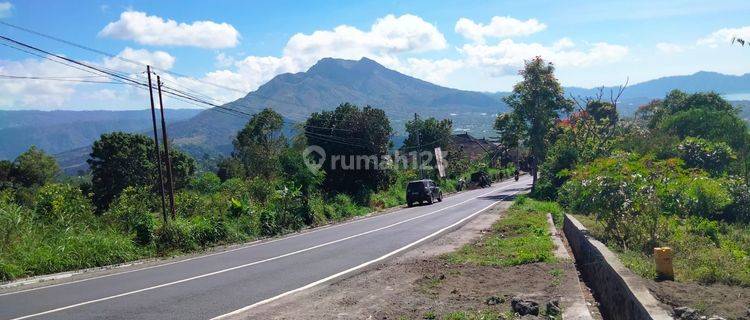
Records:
x=474, y=148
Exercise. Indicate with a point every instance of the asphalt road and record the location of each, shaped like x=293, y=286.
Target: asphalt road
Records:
x=226, y=283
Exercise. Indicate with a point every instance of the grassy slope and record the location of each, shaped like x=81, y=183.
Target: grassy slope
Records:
x=706, y=254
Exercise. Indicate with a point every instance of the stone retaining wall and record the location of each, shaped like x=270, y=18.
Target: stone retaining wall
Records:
x=621, y=293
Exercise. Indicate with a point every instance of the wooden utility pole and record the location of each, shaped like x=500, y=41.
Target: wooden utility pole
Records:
x=419, y=146
x=170, y=182
x=156, y=147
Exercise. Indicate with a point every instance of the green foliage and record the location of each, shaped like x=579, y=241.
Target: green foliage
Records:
x=509, y=128
x=320, y=210
x=294, y=170
x=6, y=174
x=207, y=230
x=521, y=237
x=62, y=204
x=536, y=102
x=14, y=221
x=34, y=168
x=602, y=112
x=346, y=132
x=581, y=139
x=133, y=211
x=739, y=209
x=706, y=251
x=120, y=160
x=474, y=315
x=240, y=207
x=719, y=126
x=259, y=145
x=174, y=236
x=713, y=157
x=189, y=203
x=230, y=168
x=432, y=133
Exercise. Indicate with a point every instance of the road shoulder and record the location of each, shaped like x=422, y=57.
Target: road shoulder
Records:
x=421, y=283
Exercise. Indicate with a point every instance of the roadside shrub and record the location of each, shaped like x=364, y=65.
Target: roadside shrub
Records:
x=713, y=157
x=144, y=229
x=267, y=223
x=234, y=188
x=261, y=189
x=240, y=207
x=320, y=210
x=739, y=209
x=619, y=191
x=705, y=197
x=208, y=182
x=174, y=236
x=13, y=222
x=62, y=204
x=208, y=230
x=190, y=203
x=345, y=207
x=391, y=197
x=9, y=271
x=132, y=210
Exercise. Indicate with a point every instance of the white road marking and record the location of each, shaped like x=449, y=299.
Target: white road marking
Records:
x=241, y=247
x=365, y=264
x=257, y=262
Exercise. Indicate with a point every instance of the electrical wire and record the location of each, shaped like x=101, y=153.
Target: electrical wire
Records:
x=120, y=77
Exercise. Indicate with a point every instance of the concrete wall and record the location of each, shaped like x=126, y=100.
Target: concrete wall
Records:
x=621, y=293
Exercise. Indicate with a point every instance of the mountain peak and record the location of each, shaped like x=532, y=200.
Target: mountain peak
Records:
x=328, y=65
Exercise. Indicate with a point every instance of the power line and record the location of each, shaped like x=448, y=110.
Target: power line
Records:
x=116, y=75
x=11, y=77
x=123, y=78
x=140, y=64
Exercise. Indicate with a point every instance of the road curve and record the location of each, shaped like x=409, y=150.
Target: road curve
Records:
x=228, y=282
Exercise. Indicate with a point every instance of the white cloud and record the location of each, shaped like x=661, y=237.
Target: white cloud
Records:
x=224, y=61
x=499, y=27
x=154, y=30
x=506, y=57
x=5, y=8
x=435, y=71
x=669, y=48
x=36, y=93
x=158, y=59
x=724, y=36
x=389, y=35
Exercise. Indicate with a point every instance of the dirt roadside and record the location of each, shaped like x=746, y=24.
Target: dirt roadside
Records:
x=420, y=284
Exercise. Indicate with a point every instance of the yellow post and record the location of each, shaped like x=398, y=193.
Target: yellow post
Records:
x=663, y=260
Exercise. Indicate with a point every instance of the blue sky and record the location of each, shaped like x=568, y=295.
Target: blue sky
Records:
x=473, y=45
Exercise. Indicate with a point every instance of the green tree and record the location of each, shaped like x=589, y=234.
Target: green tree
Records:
x=537, y=102
x=229, y=168
x=602, y=111
x=34, y=168
x=714, y=157
x=6, y=171
x=432, y=133
x=510, y=129
x=349, y=135
x=720, y=126
x=119, y=160
x=259, y=145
